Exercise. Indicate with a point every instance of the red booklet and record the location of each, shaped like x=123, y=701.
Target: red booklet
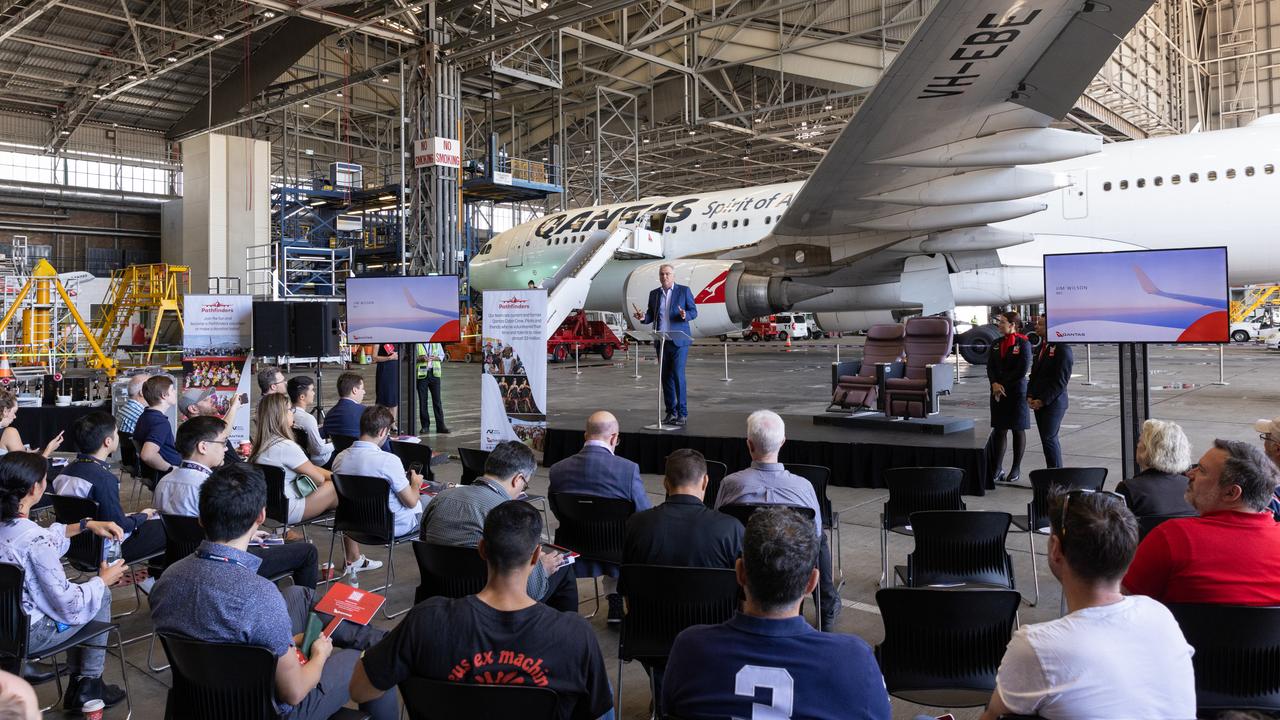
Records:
x=344, y=602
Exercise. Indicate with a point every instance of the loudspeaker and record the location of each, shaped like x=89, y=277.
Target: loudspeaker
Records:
x=271, y=334
x=315, y=329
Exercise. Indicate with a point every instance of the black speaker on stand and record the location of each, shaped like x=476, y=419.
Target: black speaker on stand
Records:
x=315, y=329
x=271, y=328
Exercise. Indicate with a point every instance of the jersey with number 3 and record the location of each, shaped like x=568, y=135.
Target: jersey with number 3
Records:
x=756, y=669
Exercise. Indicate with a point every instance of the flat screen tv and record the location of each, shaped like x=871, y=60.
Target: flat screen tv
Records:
x=1140, y=296
x=419, y=308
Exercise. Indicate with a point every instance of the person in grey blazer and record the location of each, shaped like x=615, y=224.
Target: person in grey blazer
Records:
x=598, y=472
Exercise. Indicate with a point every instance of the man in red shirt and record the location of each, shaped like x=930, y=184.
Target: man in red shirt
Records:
x=1230, y=554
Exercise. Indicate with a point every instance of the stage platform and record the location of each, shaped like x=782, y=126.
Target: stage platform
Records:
x=857, y=457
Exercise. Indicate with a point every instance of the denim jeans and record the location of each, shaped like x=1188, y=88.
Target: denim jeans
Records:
x=84, y=660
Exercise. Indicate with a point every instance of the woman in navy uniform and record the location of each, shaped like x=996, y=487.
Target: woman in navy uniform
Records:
x=1007, y=365
x=1047, y=391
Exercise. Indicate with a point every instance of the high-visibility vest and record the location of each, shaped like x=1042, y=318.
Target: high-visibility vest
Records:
x=423, y=363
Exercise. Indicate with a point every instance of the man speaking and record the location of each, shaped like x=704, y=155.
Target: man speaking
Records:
x=670, y=309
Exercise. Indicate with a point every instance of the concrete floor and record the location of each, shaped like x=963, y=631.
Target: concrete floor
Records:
x=764, y=376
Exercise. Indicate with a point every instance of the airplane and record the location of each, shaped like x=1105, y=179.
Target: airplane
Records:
x=946, y=188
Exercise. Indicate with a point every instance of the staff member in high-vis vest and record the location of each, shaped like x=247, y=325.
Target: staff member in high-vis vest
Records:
x=427, y=359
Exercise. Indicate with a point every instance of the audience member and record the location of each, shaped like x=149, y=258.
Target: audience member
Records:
x=270, y=381
x=500, y=635
x=134, y=406
x=455, y=518
x=302, y=393
x=1160, y=487
x=152, y=433
x=1269, y=433
x=767, y=482
x=198, y=402
x=17, y=698
x=89, y=476
x=1111, y=656
x=344, y=417
x=56, y=608
x=10, y=439
x=365, y=457
x=683, y=531
x=717, y=671
x=306, y=487
x=216, y=595
x=202, y=442
x=1230, y=554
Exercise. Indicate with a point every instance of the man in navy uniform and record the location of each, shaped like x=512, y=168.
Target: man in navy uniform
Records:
x=670, y=309
x=1047, y=391
x=344, y=417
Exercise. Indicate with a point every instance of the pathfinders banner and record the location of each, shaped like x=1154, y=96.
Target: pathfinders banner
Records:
x=513, y=380
x=217, y=334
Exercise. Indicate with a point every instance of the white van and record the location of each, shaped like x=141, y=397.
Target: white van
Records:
x=614, y=320
x=791, y=325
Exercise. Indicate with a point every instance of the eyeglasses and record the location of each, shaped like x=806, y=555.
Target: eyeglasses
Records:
x=1265, y=437
x=1062, y=521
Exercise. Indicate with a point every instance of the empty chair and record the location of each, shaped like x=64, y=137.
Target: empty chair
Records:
x=943, y=647
x=412, y=452
x=128, y=455
x=716, y=471
x=1036, y=521
x=958, y=547
x=364, y=515
x=915, y=489
x=856, y=383
x=447, y=571
x=820, y=477
x=927, y=375
x=472, y=464
x=441, y=700
x=594, y=527
x=1235, y=655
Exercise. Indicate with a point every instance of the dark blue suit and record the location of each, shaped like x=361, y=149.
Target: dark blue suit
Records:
x=1050, y=373
x=675, y=351
x=344, y=419
x=597, y=472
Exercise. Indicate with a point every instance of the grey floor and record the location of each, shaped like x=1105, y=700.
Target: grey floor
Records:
x=764, y=376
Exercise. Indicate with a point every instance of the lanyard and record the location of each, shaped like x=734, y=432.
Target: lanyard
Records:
x=206, y=555
x=195, y=466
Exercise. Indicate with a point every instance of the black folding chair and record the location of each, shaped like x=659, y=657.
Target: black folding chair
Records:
x=411, y=452
x=216, y=681
x=340, y=443
x=85, y=551
x=147, y=476
x=278, y=501
x=440, y=700
x=364, y=515
x=15, y=631
x=594, y=527
x=472, y=464
x=942, y=648
x=448, y=571
x=1147, y=523
x=915, y=489
x=716, y=471
x=820, y=477
x=1236, y=650
x=129, y=455
x=958, y=547
x=661, y=602
x=742, y=512
x=1036, y=521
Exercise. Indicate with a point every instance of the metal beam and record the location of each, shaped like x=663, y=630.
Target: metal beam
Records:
x=338, y=20
x=24, y=17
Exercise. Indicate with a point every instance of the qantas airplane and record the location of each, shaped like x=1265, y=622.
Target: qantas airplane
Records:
x=946, y=188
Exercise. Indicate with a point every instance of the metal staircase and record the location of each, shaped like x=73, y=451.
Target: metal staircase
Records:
x=157, y=289
x=568, y=288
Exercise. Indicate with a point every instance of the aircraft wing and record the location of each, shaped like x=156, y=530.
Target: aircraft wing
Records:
x=933, y=147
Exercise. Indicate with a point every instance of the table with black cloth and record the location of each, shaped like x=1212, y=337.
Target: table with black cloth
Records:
x=38, y=425
x=856, y=457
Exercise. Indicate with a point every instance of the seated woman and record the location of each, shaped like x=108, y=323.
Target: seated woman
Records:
x=10, y=439
x=56, y=608
x=1163, y=455
x=306, y=486
x=302, y=393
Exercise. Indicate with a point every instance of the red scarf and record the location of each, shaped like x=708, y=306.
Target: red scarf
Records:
x=1009, y=341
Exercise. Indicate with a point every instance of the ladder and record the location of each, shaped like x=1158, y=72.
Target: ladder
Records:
x=156, y=288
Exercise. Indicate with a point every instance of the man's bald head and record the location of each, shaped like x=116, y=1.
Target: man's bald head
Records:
x=17, y=699
x=601, y=425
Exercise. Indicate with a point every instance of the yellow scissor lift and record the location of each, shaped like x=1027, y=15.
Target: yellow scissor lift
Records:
x=45, y=336
x=154, y=288
x=1255, y=296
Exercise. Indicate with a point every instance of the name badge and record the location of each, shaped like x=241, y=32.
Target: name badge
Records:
x=1052, y=350
x=1017, y=349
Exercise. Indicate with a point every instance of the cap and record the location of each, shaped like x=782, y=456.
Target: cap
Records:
x=193, y=396
x=1268, y=426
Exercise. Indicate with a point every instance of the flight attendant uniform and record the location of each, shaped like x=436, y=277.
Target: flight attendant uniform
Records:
x=1050, y=373
x=1008, y=365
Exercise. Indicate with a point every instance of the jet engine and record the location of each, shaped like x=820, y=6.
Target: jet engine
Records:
x=727, y=297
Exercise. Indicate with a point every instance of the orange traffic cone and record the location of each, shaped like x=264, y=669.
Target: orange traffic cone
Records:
x=5, y=371
x=788, y=344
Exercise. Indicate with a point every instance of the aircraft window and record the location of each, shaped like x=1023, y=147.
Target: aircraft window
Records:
x=671, y=229
x=1124, y=184
x=714, y=225
x=1212, y=175
x=1142, y=182
x=1106, y=186
x=1194, y=177
x=1268, y=168
x=1248, y=171
x=768, y=219
x=1175, y=179
x=1231, y=173
x=693, y=228
x=1158, y=181
x=735, y=223
x=746, y=222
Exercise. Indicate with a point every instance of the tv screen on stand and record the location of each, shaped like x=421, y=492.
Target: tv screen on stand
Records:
x=418, y=308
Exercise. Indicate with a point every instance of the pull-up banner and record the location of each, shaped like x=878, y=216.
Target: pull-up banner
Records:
x=513, y=379
x=215, y=353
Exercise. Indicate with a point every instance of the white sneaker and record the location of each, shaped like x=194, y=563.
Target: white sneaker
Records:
x=362, y=564
x=146, y=585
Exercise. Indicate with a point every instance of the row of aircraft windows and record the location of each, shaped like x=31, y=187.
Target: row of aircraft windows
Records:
x=1211, y=175
x=670, y=229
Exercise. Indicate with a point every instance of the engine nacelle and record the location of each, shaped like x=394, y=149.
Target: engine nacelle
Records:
x=726, y=296
x=855, y=320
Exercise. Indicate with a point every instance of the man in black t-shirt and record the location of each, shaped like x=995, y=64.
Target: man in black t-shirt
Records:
x=500, y=635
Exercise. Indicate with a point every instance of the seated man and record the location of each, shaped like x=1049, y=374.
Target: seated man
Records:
x=1110, y=656
x=302, y=393
x=133, y=407
x=89, y=476
x=596, y=471
x=720, y=671
x=1228, y=555
x=455, y=518
x=767, y=482
x=500, y=635
x=344, y=417
x=202, y=442
x=198, y=402
x=366, y=457
x=152, y=433
x=683, y=531
x=216, y=595
x=270, y=380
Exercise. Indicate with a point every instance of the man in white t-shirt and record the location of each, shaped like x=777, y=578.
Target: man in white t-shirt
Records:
x=1112, y=656
x=366, y=457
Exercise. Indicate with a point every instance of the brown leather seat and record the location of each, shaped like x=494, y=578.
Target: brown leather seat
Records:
x=857, y=382
x=927, y=376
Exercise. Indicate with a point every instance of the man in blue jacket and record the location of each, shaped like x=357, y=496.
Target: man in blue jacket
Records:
x=670, y=309
x=344, y=417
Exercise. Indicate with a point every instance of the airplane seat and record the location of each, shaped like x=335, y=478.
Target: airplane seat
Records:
x=927, y=376
x=856, y=384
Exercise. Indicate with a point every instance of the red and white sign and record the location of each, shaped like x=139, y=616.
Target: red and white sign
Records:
x=344, y=602
x=436, y=151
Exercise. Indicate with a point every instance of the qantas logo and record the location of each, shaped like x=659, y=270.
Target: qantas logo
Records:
x=714, y=291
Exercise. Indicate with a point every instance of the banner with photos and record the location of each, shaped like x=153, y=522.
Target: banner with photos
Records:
x=217, y=335
x=513, y=379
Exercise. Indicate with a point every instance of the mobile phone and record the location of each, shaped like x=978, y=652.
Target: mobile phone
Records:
x=244, y=398
x=415, y=467
x=110, y=551
x=314, y=627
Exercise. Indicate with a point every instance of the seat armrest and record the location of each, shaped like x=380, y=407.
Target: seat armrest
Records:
x=848, y=367
x=941, y=378
x=895, y=369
